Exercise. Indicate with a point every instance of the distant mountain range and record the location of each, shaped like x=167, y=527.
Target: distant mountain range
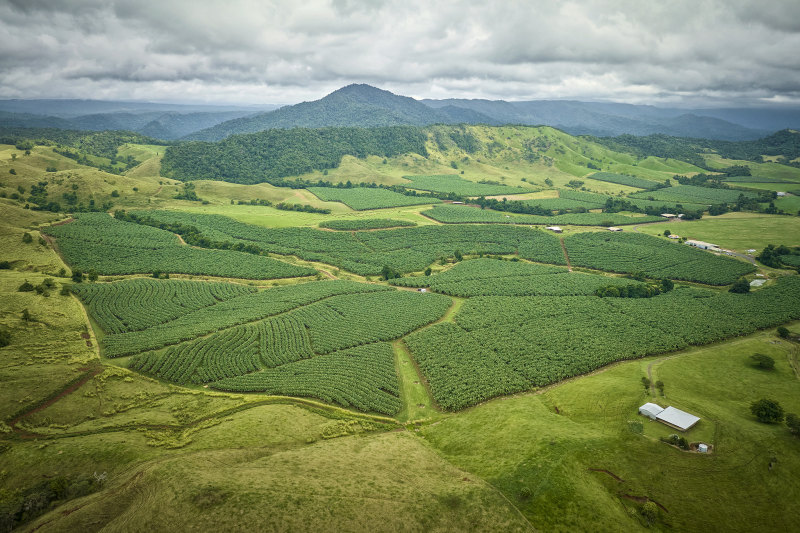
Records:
x=362, y=105
x=163, y=121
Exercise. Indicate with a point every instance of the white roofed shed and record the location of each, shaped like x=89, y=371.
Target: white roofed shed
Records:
x=650, y=410
x=676, y=418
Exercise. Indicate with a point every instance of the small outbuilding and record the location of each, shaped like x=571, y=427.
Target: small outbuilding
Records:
x=669, y=215
x=702, y=448
x=702, y=245
x=554, y=229
x=780, y=194
x=650, y=410
x=673, y=236
x=674, y=417
x=614, y=228
x=757, y=282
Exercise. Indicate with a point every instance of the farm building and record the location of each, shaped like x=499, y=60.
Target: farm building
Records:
x=673, y=237
x=780, y=193
x=554, y=229
x=669, y=215
x=614, y=228
x=703, y=245
x=677, y=419
x=757, y=282
x=650, y=410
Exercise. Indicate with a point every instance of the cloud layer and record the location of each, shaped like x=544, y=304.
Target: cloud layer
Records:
x=697, y=52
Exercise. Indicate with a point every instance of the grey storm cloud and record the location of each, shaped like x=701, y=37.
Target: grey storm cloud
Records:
x=275, y=51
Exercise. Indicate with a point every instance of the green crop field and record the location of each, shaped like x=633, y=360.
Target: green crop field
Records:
x=452, y=183
x=451, y=214
x=693, y=194
x=97, y=242
x=621, y=179
x=490, y=277
x=407, y=249
x=365, y=224
x=501, y=345
x=362, y=198
x=657, y=258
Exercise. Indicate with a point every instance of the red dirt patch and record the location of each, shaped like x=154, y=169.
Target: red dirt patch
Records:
x=44, y=405
x=64, y=222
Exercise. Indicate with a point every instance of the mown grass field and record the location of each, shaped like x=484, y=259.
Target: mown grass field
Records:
x=736, y=231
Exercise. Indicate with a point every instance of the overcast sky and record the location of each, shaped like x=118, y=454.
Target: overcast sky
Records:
x=696, y=52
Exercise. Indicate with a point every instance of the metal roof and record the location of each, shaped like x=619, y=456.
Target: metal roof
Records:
x=650, y=409
x=677, y=418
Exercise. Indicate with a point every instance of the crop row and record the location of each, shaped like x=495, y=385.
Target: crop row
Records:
x=367, y=252
x=228, y=313
x=363, y=377
x=657, y=258
x=365, y=224
x=138, y=304
x=694, y=194
x=452, y=214
x=490, y=277
x=95, y=241
x=362, y=198
x=621, y=179
x=451, y=183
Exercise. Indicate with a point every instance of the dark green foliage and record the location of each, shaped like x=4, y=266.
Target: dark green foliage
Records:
x=763, y=361
x=188, y=193
x=793, y=423
x=18, y=507
x=26, y=315
x=5, y=265
x=778, y=256
x=5, y=337
x=740, y=286
x=26, y=286
x=767, y=411
x=676, y=440
x=660, y=387
x=783, y=332
x=27, y=238
x=303, y=208
x=274, y=154
x=12, y=171
x=646, y=383
x=365, y=224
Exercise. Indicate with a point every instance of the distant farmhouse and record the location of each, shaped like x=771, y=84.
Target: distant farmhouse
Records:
x=671, y=416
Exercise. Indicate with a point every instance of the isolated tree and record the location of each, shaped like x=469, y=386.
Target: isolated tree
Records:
x=667, y=233
x=77, y=275
x=793, y=422
x=742, y=286
x=92, y=275
x=428, y=271
x=26, y=286
x=767, y=411
x=763, y=361
x=27, y=238
x=646, y=383
x=457, y=255
x=660, y=387
x=26, y=315
x=783, y=333
x=650, y=511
